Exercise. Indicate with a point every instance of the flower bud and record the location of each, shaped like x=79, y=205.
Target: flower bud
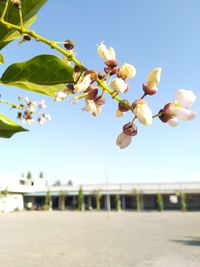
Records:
x=111, y=71
x=152, y=80
x=69, y=44
x=106, y=53
x=93, y=91
x=101, y=76
x=93, y=74
x=16, y=3
x=123, y=140
x=122, y=107
x=119, y=85
x=142, y=111
x=99, y=100
x=130, y=129
x=127, y=71
x=112, y=63
x=148, y=90
x=70, y=88
x=26, y=37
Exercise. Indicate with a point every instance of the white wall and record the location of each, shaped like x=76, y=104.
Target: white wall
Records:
x=11, y=203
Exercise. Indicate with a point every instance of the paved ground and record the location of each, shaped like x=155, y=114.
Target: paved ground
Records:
x=124, y=239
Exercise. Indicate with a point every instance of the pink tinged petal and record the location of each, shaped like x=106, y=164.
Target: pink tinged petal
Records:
x=185, y=114
x=185, y=97
x=123, y=140
x=173, y=122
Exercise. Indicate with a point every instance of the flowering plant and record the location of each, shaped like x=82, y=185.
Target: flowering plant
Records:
x=73, y=78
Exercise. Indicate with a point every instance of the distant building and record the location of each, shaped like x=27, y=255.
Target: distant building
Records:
x=129, y=196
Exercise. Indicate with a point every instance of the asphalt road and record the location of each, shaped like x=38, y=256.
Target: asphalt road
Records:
x=99, y=239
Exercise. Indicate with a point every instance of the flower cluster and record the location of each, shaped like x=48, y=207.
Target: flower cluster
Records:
x=28, y=110
x=91, y=86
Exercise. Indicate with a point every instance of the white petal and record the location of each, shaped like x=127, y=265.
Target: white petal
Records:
x=119, y=113
x=119, y=85
x=143, y=113
x=185, y=114
x=173, y=122
x=123, y=140
x=154, y=77
x=83, y=85
x=185, y=97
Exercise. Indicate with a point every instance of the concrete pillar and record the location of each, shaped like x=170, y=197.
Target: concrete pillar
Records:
x=59, y=203
x=107, y=203
x=89, y=202
x=74, y=202
x=142, y=202
x=123, y=202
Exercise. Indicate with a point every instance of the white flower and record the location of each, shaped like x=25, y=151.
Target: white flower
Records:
x=179, y=108
x=143, y=112
x=92, y=107
x=119, y=85
x=42, y=104
x=123, y=140
x=153, y=79
x=60, y=96
x=106, y=53
x=29, y=120
x=31, y=109
x=127, y=71
x=84, y=83
x=41, y=121
x=173, y=122
x=27, y=100
x=47, y=117
x=185, y=97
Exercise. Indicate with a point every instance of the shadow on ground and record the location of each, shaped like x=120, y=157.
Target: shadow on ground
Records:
x=192, y=241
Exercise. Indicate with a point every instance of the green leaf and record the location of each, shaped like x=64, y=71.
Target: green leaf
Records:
x=8, y=127
x=1, y=59
x=44, y=74
x=29, y=10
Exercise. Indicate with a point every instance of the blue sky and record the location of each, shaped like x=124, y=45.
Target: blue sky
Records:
x=77, y=146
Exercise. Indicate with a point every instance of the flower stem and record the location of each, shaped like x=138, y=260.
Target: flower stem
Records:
x=54, y=45
x=13, y=105
x=4, y=11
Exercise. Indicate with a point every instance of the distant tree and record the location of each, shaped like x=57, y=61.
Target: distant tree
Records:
x=97, y=196
x=29, y=175
x=138, y=197
x=57, y=183
x=117, y=203
x=183, y=201
x=80, y=199
x=4, y=193
x=70, y=182
x=47, y=205
x=63, y=195
x=41, y=175
x=159, y=201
